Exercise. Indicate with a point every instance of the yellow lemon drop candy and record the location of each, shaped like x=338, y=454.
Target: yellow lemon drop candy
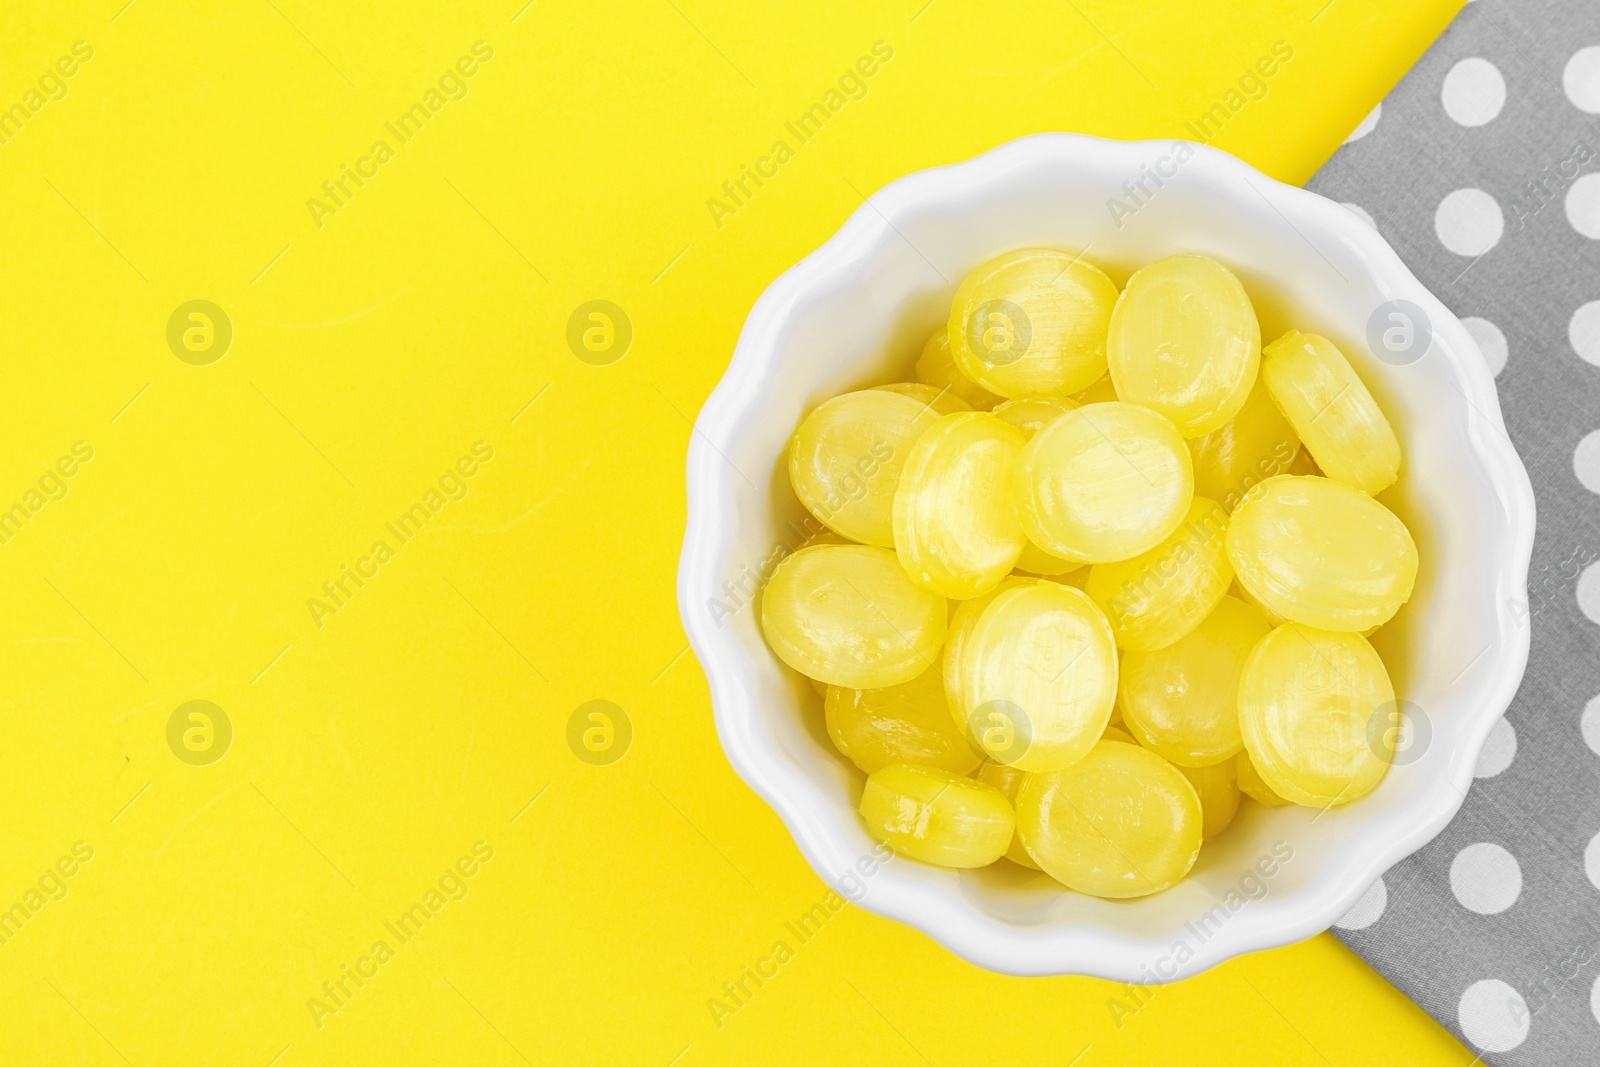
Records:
x=962, y=622
x=1218, y=788
x=1317, y=551
x=1103, y=483
x=1308, y=700
x=906, y=723
x=1032, y=322
x=942, y=401
x=1255, y=445
x=1117, y=733
x=845, y=460
x=937, y=367
x=1252, y=785
x=1008, y=780
x=1101, y=392
x=1184, y=340
x=955, y=529
x=1121, y=822
x=1182, y=701
x=1330, y=408
x=848, y=615
x=1030, y=414
x=1038, y=674
x=1158, y=596
x=937, y=817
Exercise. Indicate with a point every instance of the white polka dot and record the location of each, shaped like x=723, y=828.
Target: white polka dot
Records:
x=1469, y=222
x=1583, y=205
x=1366, y=124
x=1590, y=725
x=1473, y=92
x=1361, y=213
x=1591, y=861
x=1594, y=999
x=1583, y=331
x=1367, y=910
x=1586, y=461
x=1490, y=340
x=1485, y=878
x=1498, y=751
x=1589, y=592
x=1581, y=79
x=1493, y=1016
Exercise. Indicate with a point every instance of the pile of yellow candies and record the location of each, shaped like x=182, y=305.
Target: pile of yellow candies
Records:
x=1106, y=565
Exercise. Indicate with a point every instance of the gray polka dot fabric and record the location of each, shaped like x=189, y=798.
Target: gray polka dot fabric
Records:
x=1482, y=169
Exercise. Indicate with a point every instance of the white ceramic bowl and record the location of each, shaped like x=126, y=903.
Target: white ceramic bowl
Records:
x=856, y=313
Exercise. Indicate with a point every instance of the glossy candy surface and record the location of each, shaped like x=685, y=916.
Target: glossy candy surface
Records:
x=1184, y=341
x=1032, y=322
x=906, y=723
x=1159, y=596
x=937, y=367
x=1121, y=822
x=1008, y=780
x=1103, y=483
x=962, y=622
x=1182, y=701
x=1319, y=552
x=1331, y=409
x=937, y=817
x=955, y=528
x=1254, y=445
x=1037, y=676
x=1252, y=785
x=1314, y=710
x=846, y=457
x=848, y=615
x=1218, y=789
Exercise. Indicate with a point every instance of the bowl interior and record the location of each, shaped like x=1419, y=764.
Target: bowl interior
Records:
x=856, y=314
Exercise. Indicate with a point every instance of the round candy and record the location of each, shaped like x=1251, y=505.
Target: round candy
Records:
x=845, y=460
x=1182, y=701
x=1008, y=780
x=1255, y=445
x=962, y=622
x=1218, y=788
x=906, y=723
x=1030, y=414
x=848, y=615
x=955, y=528
x=1330, y=408
x=942, y=401
x=1121, y=822
x=1037, y=676
x=937, y=367
x=1158, y=596
x=1319, y=552
x=1252, y=785
x=1308, y=703
x=1184, y=340
x=1103, y=483
x=937, y=817
x=1032, y=322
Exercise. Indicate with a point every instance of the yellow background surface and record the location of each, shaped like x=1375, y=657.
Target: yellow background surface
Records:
x=373, y=346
